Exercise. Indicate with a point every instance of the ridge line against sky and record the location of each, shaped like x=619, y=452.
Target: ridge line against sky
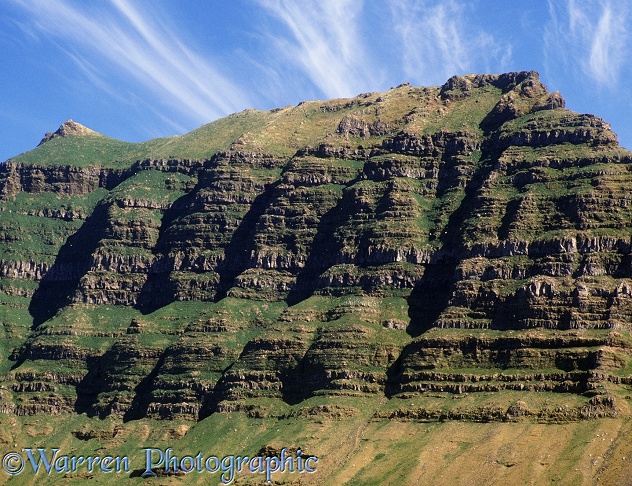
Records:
x=136, y=70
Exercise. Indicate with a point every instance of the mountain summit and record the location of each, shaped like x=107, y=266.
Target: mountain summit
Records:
x=66, y=129
x=425, y=254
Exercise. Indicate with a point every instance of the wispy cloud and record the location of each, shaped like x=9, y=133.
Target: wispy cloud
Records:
x=136, y=43
x=591, y=35
x=324, y=42
x=438, y=41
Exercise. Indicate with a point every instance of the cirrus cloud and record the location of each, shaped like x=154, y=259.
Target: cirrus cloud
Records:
x=438, y=40
x=125, y=37
x=589, y=38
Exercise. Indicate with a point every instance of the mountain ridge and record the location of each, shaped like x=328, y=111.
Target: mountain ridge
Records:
x=460, y=252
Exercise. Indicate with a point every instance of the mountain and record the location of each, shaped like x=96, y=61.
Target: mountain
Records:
x=455, y=253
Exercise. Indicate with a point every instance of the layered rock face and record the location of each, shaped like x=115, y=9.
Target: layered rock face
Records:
x=469, y=238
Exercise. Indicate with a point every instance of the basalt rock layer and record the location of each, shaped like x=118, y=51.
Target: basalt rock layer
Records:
x=421, y=243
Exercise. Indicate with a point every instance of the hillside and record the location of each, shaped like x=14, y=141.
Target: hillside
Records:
x=421, y=261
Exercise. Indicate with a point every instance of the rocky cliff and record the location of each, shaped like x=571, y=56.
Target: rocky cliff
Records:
x=421, y=244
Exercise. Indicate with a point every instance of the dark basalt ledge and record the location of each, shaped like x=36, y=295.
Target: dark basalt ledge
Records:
x=420, y=244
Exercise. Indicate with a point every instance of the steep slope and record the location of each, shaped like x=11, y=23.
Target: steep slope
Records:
x=415, y=245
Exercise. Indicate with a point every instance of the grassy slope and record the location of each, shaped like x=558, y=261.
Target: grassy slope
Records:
x=355, y=451
x=281, y=131
x=99, y=150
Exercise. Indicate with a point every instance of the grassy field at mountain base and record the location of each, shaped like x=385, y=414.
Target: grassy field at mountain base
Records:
x=352, y=446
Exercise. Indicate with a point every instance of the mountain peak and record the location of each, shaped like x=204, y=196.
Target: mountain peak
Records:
x=68, y=128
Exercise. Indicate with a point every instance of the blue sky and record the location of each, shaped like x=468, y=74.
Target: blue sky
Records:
x=136, y=70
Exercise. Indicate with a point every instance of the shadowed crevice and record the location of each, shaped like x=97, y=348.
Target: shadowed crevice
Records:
x=73, y=262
